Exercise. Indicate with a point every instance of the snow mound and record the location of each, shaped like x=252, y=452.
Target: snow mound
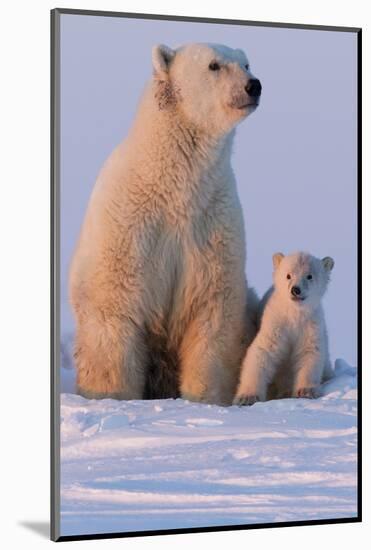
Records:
x=165, y=464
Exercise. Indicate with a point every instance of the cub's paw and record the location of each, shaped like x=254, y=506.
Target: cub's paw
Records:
x=242, y=400
x=308, y=393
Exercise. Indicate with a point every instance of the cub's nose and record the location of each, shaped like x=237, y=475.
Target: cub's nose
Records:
x=253, y=87
x=295, y=291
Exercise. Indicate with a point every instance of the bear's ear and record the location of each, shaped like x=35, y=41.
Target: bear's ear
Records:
x=161, y=58
x=328, y=263
x=277, y=259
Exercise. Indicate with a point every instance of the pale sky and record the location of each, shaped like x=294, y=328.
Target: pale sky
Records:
x=294, y=158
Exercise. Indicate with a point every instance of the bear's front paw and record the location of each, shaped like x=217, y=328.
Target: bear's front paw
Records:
x=242, y=400
x=308, y=393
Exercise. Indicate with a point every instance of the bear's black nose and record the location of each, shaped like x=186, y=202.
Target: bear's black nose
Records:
x=254, y=88
x=295, y=291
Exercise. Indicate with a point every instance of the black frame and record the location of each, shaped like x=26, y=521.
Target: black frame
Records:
x=55, y=275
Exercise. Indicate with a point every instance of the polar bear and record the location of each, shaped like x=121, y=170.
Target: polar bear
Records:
x=289, y=356
x=157, y=281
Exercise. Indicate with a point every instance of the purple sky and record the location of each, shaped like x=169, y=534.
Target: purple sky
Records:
x=294, y=159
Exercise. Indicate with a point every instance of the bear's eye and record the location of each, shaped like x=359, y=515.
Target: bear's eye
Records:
x=247, y=67
x=214, y=66
x=288, y=276
x=309, y=277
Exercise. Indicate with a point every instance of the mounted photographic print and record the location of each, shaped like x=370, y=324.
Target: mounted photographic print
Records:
x=206, y=274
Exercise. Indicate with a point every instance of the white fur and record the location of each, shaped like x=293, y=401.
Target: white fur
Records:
x=289, y=356
x=161, y=255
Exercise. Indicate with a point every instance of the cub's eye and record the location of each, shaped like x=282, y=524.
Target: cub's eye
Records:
x=309, y=277
x=214, y=66
x=247, y=67
x=288, y=276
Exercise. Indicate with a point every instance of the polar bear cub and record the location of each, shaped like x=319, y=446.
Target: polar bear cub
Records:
x=289, y=356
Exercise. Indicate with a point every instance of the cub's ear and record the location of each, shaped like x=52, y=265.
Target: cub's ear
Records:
x=328, y=263
x=277, y=259
x=161, y=58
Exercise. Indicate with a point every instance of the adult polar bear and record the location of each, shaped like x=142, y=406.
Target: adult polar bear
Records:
x=157, y=281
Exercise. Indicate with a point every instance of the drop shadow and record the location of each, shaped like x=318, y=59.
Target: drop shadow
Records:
x=42, y=528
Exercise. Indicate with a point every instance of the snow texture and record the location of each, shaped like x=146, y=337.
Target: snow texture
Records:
x=167, y=464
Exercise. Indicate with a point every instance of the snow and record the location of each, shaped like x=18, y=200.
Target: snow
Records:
x=167, y=464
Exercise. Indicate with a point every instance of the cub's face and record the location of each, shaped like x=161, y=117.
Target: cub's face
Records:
x=301, y=278
x=211, y=85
